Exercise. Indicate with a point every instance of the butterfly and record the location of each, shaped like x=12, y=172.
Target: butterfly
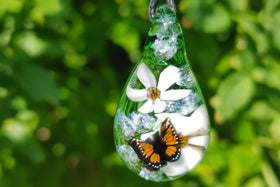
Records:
x=164, y=147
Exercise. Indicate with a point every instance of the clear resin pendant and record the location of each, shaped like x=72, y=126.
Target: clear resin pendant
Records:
x=161, y=127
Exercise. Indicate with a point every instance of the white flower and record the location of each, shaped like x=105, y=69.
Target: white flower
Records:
x=190, y=156
x=155, y=94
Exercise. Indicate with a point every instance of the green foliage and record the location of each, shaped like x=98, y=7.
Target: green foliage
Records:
x=62, y=67
x=230, y=98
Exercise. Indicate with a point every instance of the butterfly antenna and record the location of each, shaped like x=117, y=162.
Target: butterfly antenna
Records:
x=184, y=140
x=201, y=148
x=196, y=134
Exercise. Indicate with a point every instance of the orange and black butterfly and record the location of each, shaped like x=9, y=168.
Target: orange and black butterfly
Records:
x=164, y=147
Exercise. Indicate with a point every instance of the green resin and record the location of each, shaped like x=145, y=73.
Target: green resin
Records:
x=164, y=60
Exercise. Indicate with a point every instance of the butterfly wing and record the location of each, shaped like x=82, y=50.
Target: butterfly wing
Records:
x=170, y=138
x=146, y=152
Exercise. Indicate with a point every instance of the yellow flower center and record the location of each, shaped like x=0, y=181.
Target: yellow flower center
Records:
x=153, y=93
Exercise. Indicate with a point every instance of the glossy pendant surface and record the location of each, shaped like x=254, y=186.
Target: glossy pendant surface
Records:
x=161, y=127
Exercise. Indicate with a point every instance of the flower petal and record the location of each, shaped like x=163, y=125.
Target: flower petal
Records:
x=200, y=140
x=192, y=156
x=173, y=95
x=147, y=107
x=200, y=118
x=159, y=106
x=136, y=95
x=146, y=76
x=150, y=135
x=189, y=158
x=188, y=125
x=168, y=77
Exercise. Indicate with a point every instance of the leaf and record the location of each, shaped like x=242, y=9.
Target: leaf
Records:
x=276, y=36
x=180, y=183
x=249, y=26
x=74, y=60
x=93, y=37
x=273, y=98
x=7, y=159
x=126, y=36
x=218, y=20
x=242, y=60
x=48, y=7
x=269, y=175
x=15, y=130
x=275, y=129
x=31, y=44
x=207, y=56
x=34, y=46
x=20, y=128
x=244, y=161
x=11, y=6
x=261, y=111
x=36, y=82
x=207, y=17
x=239, y=5
x=233, y=95
x=244, y=132
x=255, y=182
x=31, y=149
x=268, y=75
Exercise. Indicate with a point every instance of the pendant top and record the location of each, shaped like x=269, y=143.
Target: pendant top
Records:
x=153, y=6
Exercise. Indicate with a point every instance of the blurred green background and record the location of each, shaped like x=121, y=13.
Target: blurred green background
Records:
x=63, y=64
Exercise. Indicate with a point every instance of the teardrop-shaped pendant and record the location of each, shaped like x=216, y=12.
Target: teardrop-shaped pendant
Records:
x=161, y=127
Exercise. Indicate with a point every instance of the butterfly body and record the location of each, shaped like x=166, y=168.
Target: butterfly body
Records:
x=163, y=147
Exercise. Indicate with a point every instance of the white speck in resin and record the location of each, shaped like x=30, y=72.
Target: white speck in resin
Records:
x=151, y=175
x=128, y=128
x=134, y=123
x=142, y=122
x=187, y=79
x=128, y=155
x=167, y=27
x=165, y=46
x=165, y=49
x=186, y=105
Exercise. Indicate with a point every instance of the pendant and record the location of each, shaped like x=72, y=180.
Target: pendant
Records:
x=161, y=127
